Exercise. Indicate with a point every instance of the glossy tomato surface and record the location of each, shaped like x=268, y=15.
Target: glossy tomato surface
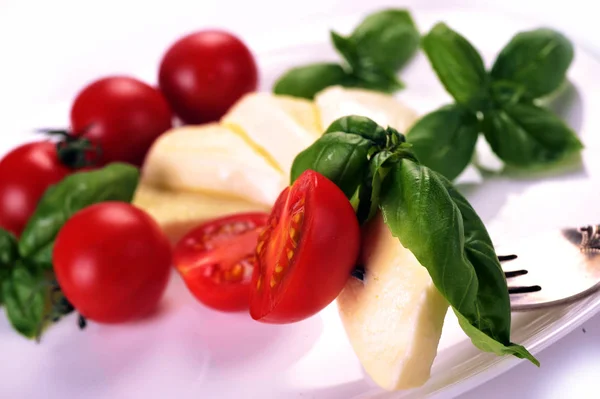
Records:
x=203, y=74
x=216, y=260
x=112, y=262
x=306, y=254
x=122, y=115
x=25, y=174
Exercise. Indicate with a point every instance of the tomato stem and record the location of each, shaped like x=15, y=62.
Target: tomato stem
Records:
x=73, y=150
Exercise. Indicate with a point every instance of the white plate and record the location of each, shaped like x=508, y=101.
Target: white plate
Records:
x=187, y=351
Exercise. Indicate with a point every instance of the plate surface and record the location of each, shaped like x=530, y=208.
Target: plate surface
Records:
x=187, y=351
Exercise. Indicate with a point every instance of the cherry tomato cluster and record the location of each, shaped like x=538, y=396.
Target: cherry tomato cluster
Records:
x=118, y=269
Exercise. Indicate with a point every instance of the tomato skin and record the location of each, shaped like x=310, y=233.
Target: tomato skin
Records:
x=208, y=254
x=322, y=261
x=112, y=261
x=203, y=74
x=122, y=115
x=25, y=174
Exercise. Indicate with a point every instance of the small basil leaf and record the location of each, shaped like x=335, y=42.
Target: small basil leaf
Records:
x=306, y=81
x=376, y=81
x=341, y=157
x=526, y=135
x=361, y=126
x=536, y=60
x=346, y=47
x=370, y=190
x=115, y=182
x=385, y=41
x=9, y=255
x=25, y=296
x=458, y=66
x=442, y=230
x=444, y=140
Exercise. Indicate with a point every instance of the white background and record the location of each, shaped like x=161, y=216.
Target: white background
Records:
x=38, y=37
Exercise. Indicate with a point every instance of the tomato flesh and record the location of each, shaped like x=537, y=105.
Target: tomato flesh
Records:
x=306, y=253
x=216, y=260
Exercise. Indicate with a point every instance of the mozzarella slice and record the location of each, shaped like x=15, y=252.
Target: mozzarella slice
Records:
x=178, y=211
x=212, y=159
x=394, y=318
x=336, y=101
x=278, y=126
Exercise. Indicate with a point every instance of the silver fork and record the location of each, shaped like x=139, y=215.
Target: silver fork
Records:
x=554, y=268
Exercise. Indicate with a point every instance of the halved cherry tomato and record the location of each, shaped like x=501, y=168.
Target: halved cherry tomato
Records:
x=216, y=260
x=306, y=254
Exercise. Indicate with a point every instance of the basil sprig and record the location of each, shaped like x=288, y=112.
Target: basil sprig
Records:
x=372, y=56
x=500, y=103
x=28, y=286
x=429, y=217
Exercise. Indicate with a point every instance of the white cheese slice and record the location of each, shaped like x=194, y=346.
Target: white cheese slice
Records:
x=215, y=160
x=394, y=318
x=279, y=127
x=336, y=101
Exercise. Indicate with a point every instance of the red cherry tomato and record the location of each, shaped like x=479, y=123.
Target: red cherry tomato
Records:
x=216, y=260
x=203, y=74
x=306, y=254
x=123, y=116
x=112, y=262
x=25, y=174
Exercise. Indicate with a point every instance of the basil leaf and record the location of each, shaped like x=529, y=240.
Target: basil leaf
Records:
x=341, y=157
x=526, y=135
x=385, y=41
x=346, y=48
x=370, y=189
x=377, y=81
x=361, y=126
x=24, y=295
x=447, y=237
x=33, y=300
x=458, y=66
x=536, y=60
x=444, y=140
x=9, y=254
x=306, y=81
x=115, y=182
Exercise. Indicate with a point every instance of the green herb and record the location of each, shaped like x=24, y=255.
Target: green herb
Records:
x=372, y=56
x=448, y=153
x=115, y=182
x=33, y=301
x=500, y=104
x=9, y=254
x=442, y=230
x=536, y=61
x=430, y=218
x=306, y=81
x=457, y=64
x=28, y=286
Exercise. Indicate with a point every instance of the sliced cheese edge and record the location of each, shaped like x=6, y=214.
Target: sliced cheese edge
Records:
x=279, y=127
x=212, y=159
x=394, y=318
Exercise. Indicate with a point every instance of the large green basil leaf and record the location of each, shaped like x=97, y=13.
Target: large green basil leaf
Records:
x=306, y=81
x=444, y=140
x=9, y=255
x=370, y=189
x=458, y=66
x=524, y=134
x=536, y=60
x=115, y=182
x=386, y=40
x=447, y=237
x=361, y=126
x=341, y=157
